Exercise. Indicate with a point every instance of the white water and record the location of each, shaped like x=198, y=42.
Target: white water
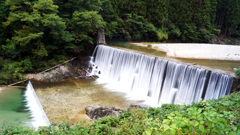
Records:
x=157, y=81
x=39, y=117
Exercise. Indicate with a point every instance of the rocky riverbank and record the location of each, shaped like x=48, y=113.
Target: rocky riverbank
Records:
x=78, y=68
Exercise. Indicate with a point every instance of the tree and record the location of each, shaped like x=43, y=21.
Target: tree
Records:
x=3, y=32
x=233, y=17
x=157, y=11
x=38, y=30
x=85, y=26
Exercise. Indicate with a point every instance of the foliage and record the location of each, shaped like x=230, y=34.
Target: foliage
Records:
x=219, y=116
x=12, y=71
x=43, y=29
x=85, y=24
x=237, y=72
x=227, y=19
x=40, y=30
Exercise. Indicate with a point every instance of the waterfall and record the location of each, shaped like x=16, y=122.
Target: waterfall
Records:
x=157, y=81
x=39, y=117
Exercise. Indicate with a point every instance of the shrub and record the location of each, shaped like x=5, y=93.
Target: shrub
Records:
x=237, y=72
x=12, y=71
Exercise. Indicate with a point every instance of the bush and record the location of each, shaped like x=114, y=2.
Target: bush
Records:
x=11, y=72
x=237, y=72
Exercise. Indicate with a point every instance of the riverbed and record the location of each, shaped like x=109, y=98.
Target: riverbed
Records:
x=66, y=100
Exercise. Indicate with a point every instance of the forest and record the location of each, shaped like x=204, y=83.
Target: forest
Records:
x=36, y=34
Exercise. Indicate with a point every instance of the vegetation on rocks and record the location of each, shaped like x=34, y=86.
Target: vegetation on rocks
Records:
x=220, y=116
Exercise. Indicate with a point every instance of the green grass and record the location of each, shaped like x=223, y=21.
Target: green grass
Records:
x=219, y=116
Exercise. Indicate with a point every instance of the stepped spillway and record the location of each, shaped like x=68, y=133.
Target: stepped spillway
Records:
x=155, y=80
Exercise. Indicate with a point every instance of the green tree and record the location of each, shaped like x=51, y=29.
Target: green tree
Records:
x=38, y=30
x=157, y=11
x=228, y=17
x=194, y=19
x=3, y=32
x=85, y=26
x=83, y=18
x=232, y=17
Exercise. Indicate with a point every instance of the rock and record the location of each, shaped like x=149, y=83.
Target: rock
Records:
x=96, y=112
x=116, y=113
x=135, y=106
x=95, y=76
x=77, y=68
x=90, y=108
x=81, y=116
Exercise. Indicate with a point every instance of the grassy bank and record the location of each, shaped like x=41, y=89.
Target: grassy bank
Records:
x=219, y=116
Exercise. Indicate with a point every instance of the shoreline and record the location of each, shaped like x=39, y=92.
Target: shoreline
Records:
x=197, y=51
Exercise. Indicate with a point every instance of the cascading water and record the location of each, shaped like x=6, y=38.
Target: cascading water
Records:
x=39, y=117
x=157, y=81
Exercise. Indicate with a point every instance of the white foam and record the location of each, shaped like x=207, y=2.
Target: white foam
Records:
x=39, y=117
x=154, y=80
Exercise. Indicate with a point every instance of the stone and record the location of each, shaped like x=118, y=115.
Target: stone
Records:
x=116, y=113
x=90, y=108
x=81, y=116
x=76, y=68
x=96, y=112
x=135, y=106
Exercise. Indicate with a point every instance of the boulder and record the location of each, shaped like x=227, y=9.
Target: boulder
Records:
x=96, y=112
x=81, y=116
x=135, y=106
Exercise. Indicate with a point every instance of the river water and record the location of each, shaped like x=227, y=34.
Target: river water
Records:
x=61, y=101
x=12, y=107
x=65, y=99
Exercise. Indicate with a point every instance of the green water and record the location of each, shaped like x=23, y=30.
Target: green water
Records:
x=12, y=110
x=216, y=64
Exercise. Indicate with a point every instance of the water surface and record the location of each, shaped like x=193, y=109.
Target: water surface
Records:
x=12, y=107
x=65, y=99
